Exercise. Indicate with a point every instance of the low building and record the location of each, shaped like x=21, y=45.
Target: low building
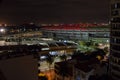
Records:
x=80, y=69
x=64, y=70
x=84, y=69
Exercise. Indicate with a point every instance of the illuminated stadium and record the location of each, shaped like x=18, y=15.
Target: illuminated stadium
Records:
x=75, y=32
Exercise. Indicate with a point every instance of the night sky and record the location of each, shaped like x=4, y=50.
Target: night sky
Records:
x=53, y=11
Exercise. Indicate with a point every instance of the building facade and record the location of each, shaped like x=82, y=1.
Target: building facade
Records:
x=115, y=40
x=77, y=32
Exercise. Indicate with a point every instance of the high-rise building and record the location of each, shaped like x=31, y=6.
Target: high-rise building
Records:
x=115, y=40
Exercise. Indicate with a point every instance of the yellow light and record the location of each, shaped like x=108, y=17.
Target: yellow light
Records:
x=98, y=57
x=41, y=74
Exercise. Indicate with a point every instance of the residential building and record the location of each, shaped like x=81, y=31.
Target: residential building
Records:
x=115, y=40
x=80, y=69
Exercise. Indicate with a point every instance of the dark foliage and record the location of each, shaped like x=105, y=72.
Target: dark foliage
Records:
x=43, y=78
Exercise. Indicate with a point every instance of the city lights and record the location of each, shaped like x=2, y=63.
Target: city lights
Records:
x=2, y=30
x=59, y=40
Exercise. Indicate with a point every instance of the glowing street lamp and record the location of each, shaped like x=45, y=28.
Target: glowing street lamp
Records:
x=2, y=30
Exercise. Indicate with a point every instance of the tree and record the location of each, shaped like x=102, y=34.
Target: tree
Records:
x=63, y=70
x=106, y=50
x=49, y=60
x=87, y=46
x=63, y=57
x=43, y=78
x=80, y=56
x=99, y=53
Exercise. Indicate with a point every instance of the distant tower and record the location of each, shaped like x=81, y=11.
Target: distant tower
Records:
x=115, y=40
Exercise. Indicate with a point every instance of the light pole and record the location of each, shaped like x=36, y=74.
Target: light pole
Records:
x=2, y=31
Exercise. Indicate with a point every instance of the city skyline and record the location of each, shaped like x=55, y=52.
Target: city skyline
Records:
x=53, y=11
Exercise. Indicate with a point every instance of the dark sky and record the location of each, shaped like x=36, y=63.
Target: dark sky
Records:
x=53, y=11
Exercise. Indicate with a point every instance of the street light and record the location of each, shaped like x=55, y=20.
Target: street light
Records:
x=2, y=30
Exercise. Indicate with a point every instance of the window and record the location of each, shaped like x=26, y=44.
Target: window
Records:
x=114, y=13
x=115, y=54
x=115, y=6
x=115, y=26
x=117, y=19
x=115, y=33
